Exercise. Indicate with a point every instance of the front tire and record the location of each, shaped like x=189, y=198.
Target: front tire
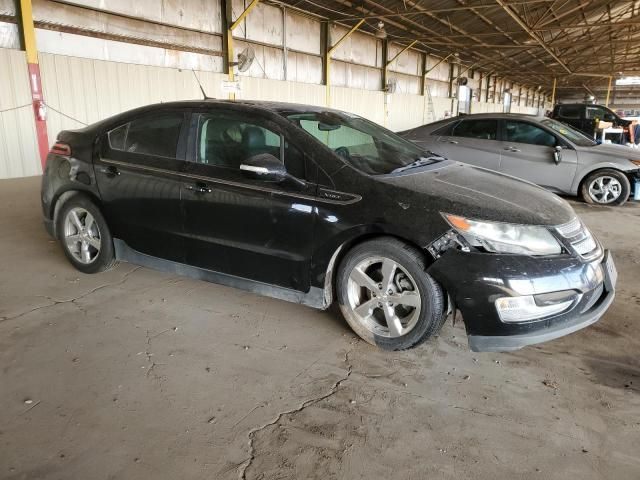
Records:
x=606, y=187
x=85, y=236
x=387, y=297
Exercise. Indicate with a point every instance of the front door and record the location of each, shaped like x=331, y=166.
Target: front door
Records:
x=241, y=226
x=527, y=153
x=473, y=141
x=138, y=175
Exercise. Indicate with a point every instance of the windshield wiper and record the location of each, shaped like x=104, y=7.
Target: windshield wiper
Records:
x=419, y=162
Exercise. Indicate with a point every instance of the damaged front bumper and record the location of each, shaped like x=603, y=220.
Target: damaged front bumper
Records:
x=476, y=280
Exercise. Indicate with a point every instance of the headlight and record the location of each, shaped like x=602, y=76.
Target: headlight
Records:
x=500, y=237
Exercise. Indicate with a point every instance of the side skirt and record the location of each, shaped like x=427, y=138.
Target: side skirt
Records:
x=314, y=298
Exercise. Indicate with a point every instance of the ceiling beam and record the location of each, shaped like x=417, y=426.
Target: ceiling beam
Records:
x=531, y=33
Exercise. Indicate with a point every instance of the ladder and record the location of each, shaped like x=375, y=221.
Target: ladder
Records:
x=428, y=112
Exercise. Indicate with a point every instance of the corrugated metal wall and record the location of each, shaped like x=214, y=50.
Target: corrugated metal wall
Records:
x=18, y=147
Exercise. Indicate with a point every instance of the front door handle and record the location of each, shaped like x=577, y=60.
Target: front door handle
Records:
x=454, y=142
x=199, y=188
x=110, y=171
x=512, y=149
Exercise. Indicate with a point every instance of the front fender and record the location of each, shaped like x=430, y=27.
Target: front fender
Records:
x=584, y=170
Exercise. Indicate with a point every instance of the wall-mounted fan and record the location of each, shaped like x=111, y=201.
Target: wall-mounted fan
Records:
x=391, y=86
x=245, y=59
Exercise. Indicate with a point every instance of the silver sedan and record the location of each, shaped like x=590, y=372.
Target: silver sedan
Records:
x=538, y=149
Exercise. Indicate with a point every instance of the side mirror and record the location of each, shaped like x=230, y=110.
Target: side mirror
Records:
x=264, y=166
x=557, y=154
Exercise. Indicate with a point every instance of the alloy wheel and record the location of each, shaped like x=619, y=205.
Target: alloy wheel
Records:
x=82, y=235
x=384, y=297
x=605, y=189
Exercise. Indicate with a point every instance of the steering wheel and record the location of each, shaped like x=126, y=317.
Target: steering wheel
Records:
x=343, y=152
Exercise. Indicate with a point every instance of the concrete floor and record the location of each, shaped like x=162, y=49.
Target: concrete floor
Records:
x=138, y=374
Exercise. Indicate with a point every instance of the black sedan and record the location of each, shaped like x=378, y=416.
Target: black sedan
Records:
x=309, y=205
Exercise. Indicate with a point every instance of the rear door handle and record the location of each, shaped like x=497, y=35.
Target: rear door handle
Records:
x=110, y=171
x=512, y=149
x=454, y=142
x=199, y=188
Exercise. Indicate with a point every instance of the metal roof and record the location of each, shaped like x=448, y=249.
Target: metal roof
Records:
x=581, y=42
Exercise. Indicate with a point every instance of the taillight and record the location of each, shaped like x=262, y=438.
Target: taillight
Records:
x=61, y=148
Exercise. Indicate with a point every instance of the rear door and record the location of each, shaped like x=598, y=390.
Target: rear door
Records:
x=527, y=153
x=241, y=226
x=474, y=141
x=138, y=171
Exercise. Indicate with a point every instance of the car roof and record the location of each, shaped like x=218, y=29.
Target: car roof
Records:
x=246, y=105
x=521, y=116
x=261, y=104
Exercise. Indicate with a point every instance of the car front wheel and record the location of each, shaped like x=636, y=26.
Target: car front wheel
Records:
x=606, y=187
x=386, y=295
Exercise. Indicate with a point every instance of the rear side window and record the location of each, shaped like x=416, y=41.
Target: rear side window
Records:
x=569, y=111
x=444, y=131
x=157, y=135
x=523, y=132
x=484, y=129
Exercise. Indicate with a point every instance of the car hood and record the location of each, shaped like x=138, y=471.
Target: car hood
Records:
x=473, y=192
x=619, y=151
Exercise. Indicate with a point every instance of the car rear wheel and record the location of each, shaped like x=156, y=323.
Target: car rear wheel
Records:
x=386, y=295
x=85, y=236
x=606, y=187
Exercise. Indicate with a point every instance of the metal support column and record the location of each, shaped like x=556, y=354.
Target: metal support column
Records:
x=553, y=92
x=230, y=25
x=327, y=58
x=35, y=84
x=606, y=104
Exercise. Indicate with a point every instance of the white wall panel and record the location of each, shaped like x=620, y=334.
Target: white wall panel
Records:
x=57, y=13
x=405, y=83
x=9, y=37
x=410, y=62
x=304, y=68
x=303, y=33
x=19, y=155
x=172, y=12
x=357, y=48
x=438, y=71
x=264, y=24
x=7, y=7
x=90, y=90
x=61, y=43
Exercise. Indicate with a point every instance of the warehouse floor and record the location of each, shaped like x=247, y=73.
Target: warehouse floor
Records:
x=138, y=374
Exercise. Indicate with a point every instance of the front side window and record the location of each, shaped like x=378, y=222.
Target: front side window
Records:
x=157, y=135
x=226, y=141
x=482, y=129
x=524, y=132
x=568, y=132
x=361, y=143
x=595, y=113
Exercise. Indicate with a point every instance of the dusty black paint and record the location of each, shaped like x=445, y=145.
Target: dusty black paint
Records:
x=285, y=234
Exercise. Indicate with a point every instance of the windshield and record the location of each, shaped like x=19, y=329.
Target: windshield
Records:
x=363, y=144
x=568, y=132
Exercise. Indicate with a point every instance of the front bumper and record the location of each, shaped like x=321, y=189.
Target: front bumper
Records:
x=476, y=280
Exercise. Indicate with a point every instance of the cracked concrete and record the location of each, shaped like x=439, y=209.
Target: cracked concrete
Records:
x=242, y=469
x=251, y=387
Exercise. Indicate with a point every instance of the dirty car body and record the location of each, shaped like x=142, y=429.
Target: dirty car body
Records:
x=204, y=213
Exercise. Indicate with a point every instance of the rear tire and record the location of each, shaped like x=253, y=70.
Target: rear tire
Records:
x=386, y=295
x=605, y=187
x=85, y=236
